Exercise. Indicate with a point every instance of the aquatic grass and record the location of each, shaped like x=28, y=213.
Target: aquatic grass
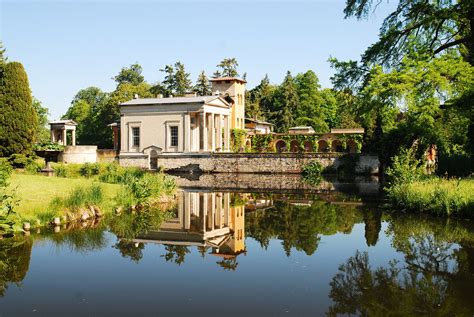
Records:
x=435, y=195
x=80, y=197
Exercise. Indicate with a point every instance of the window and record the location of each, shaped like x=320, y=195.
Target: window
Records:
x=136, y=136
x=174, y=136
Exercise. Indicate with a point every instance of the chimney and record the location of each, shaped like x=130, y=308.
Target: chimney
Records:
x=190, y=94
x=159, y=96
x=135, y=96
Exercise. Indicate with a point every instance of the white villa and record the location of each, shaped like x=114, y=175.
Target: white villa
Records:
x=181, y=125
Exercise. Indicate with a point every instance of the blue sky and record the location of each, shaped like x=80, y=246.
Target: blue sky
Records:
x=66, y=46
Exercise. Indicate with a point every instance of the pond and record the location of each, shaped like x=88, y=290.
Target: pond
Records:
x=260, y=245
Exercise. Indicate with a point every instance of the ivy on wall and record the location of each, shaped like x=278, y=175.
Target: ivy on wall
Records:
x=237, y=139
x=268, y=142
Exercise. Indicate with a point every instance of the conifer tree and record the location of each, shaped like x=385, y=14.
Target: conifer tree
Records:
x=202, y=87
x=168, y=84
x=229, y=67
x=287, y=104
x=182, y=83
x=18, y=120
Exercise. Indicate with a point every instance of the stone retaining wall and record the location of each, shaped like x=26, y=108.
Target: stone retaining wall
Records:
x=79, y=154
x=260, y=162
x=276, y=183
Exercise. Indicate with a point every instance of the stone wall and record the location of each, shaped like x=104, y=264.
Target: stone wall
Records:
x=137, y=160
x=107, y=156
x=265, y=162
x=276, y=183
x=79, y=154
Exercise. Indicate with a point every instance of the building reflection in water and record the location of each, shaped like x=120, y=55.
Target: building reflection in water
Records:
x=212, y=220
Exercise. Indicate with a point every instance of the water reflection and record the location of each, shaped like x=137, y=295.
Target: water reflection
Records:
x=213, y=221
x=384, y=263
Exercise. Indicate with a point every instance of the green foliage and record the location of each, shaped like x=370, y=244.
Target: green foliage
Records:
x=176, y=82
x=48, y=146
x=42, y=130
x=60, y=170
x=9, y=220
x=18, y=122
x=312, y=169
x=312, y=173
x=228, y=67
x=89, y=169
x=406, y=168
x=130, y=75
x=202, y=87
x=436, y=196
x=261, y=142
x=80, y=197
x=237, y=139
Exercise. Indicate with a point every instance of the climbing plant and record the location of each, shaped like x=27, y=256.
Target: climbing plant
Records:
x=261, y=142
x=237, y=139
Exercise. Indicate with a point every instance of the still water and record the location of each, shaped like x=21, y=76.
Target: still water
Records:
x=260, y=247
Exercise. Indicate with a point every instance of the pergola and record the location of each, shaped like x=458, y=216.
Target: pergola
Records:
x=59, y=129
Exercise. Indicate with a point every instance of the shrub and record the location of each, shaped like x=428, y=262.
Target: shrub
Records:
x=313, y=168
x=406, y=168
x=89, y=169
x=19, y=160
x=5, y=172
x=60, y=170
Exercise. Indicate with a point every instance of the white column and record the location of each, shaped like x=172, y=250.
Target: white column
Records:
x=219, y=132
x=64, y=136
x=187, y=133
x=226, y=134
x=204, y=131
x=73, y=137
x=53, y=135
x=213, y=134
x=187, y=210
x=226, y=209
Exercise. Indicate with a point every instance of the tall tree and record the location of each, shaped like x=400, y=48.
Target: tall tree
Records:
x=168, y=84
x=259, y=100
x=216, y=74
x=42, y=131
x=18, y=119
x=229, y=67
x=202, y=87
x=310, y=111
x=181, y=80
x=435, y=26
x=131, y=75
x=287, y=104
x=86, y=108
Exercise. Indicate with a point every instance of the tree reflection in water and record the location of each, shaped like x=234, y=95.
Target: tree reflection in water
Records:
x=15, y=256
x=175, y=253
x=300, y=226
x=435, y=278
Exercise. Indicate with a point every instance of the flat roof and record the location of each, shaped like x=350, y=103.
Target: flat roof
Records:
x=65, y=122
x=170, y=100
x=228, y=79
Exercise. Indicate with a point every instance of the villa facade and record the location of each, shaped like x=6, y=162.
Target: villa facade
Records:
x=190, y=124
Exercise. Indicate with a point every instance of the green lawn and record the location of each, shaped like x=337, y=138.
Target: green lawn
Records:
x=35, y=193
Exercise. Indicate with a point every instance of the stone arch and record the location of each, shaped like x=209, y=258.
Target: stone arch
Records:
x=308, y=146
x=323, y=146
x=280, y=146
x=336, y=146
x=295, y=146
x=351, y=146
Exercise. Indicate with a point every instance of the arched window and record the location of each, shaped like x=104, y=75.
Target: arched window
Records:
x=323, y=146
x=295, y=146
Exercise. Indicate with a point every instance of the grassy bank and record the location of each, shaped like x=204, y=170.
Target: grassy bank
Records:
x=437, y=196
x=36, y=195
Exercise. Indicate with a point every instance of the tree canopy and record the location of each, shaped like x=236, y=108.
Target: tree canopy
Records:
x=18, y=119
